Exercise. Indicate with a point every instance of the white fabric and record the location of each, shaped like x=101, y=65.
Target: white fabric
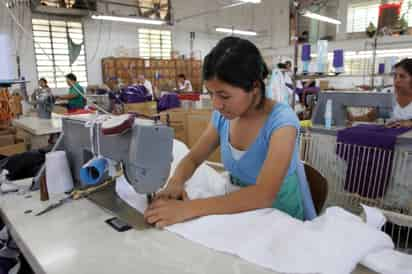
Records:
x=236, y=153
x=148, y=86
x=402, y=113
x=186, y=86
x=333, y=243
x=277, y=88
x=389, y=262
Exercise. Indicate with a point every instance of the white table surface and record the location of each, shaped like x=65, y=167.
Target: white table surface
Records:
x=38, y=126
x=75, y=239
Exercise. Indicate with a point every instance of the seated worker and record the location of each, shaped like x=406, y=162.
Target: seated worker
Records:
x=258, y=139
x=146, y=83
x=42, y=89
x=75, y=99
x=184, y=85
x=402, y=111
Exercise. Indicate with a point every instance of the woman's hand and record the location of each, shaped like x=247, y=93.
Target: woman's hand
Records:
x=165, y=212
x=174, y=190
x=399, y=124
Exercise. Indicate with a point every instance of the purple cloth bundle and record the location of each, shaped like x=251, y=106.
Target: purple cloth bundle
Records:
x=338, y=58
x=135, y=94
x=368, y=152
x=168, y=101
x=306, y=52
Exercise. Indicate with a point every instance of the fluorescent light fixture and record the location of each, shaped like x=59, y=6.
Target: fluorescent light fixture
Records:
x=236, y=31
x=251, y=1
x=320, y=17
x=136, y=20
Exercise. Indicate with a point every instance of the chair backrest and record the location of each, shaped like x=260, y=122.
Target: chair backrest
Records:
x=318, y=186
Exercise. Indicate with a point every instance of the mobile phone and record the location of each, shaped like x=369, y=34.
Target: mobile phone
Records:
x=118, y=224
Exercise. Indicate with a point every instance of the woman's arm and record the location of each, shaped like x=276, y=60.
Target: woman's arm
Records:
x=67, y=96
x=269, y=181
x=261, y=195
x=203, y=148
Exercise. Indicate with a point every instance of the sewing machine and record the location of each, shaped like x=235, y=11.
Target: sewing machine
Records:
x=44, y=105
x=145, y=151
x=341, y=100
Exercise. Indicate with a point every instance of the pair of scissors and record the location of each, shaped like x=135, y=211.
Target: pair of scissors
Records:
x=74, y=195
x=54, y=205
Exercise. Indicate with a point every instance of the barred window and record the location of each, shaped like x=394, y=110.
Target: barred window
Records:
x=155, y=43
x=361, y=14
x=59, y=49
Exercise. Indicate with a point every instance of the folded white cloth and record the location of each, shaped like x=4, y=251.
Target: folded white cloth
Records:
x=333, y=243
x=389, y=261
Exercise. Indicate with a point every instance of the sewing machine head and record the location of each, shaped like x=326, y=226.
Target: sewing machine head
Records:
x=145, y=151
x=342, y=100
x=45, y=103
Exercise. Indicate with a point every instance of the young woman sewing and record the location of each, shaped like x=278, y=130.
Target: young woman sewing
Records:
x=257, y=137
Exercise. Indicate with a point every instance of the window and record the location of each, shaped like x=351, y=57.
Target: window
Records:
x=361, y=14
x=59, y=50
x=406, y=10
x=155, y=43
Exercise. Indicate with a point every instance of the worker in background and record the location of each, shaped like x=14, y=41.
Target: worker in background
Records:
x=76, y=92
x=402, y=111
x=258, y=138
x=41, y=90
x=184, y=85
x=146, y=83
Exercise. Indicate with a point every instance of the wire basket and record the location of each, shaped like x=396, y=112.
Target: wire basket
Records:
x=366, y=175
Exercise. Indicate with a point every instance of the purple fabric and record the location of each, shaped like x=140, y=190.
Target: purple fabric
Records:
x=168, y=101
x=135, y=94
x=338, y=58
x=368, y=158
x=306, y=52
x=381, y=68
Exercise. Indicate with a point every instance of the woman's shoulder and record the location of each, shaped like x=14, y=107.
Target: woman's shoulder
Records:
x=282, y=115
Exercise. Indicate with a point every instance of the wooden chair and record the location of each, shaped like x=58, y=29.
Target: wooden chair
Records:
x=318, y=186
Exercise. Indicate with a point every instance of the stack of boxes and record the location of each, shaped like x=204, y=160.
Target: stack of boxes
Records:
x=10, y=144
x=160, y=72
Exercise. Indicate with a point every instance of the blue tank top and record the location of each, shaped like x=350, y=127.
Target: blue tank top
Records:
x=245, y=171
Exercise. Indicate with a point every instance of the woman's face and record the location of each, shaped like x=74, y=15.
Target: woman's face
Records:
x=229, y=100
x=42, y=84
x=402, y=82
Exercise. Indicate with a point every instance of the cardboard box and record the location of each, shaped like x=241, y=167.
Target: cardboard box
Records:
x=324, y=84
x=8, y=131
x=145, y=108
x=177, y=121
x=197, y=122
x=6, y=140
x=17, y=147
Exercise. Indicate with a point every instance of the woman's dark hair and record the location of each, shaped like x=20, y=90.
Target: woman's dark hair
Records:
x=71, y=76
x=43, y=79
x=237, y=62
x=182, y=76
x=405, y=64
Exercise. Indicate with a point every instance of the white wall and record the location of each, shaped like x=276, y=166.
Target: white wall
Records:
x=21, y=45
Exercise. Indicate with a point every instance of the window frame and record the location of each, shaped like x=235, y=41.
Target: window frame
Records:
x=55, y=81
x=158, y=46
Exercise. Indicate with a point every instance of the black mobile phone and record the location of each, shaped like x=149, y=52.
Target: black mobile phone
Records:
x=118, y=224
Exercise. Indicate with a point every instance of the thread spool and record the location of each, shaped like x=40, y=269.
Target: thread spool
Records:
x=94, y=171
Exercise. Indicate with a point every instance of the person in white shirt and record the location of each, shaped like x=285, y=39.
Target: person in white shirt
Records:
x=146, y=83
x=184, y=85
x=402, y=113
